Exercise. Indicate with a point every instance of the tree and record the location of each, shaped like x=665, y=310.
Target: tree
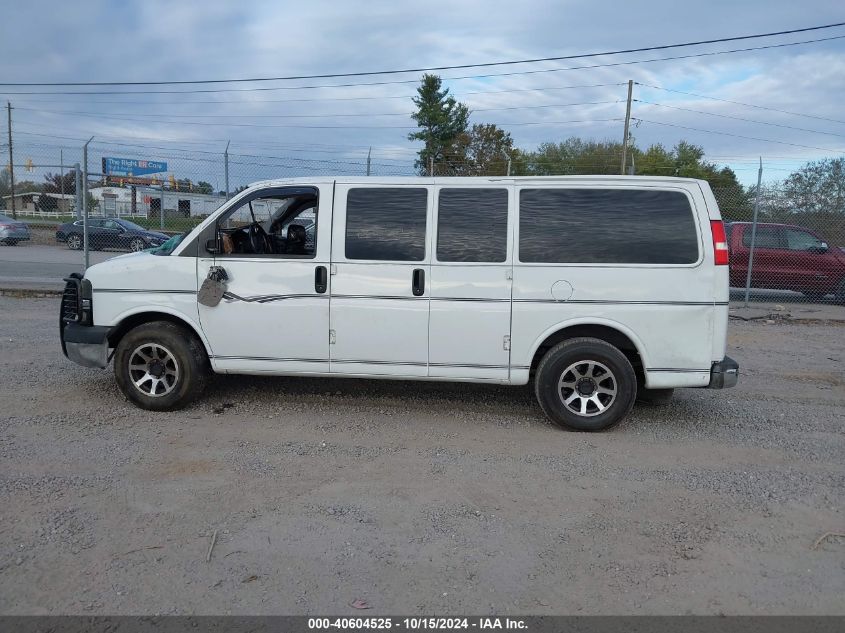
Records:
x=203, y=187
x=817, y=187
x=574, y=156
x=5, y=182
x=813, y=196
x=53, y=183
x=440, y=118
x=482, y=151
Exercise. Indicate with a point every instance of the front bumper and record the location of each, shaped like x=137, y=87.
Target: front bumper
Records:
x=86, y=345
x=724, y=373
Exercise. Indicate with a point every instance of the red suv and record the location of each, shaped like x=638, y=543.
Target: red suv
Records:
x=786, y=257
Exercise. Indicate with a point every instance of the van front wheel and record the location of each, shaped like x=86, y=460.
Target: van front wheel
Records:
x=585, y=384
x=160, y=366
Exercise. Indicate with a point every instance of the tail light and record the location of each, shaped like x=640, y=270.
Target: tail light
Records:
x=720, y=243
x=5, y=226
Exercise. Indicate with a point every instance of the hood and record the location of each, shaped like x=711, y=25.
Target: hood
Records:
x=155, y=235
x=123, y=256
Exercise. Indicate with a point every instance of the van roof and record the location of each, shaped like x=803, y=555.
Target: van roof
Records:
x=475, y=180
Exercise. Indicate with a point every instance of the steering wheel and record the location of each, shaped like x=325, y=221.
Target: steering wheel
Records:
x=258, y=238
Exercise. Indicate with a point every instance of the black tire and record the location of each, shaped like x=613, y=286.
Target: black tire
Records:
x=185, y=377
x=655, y=397
x=840, y=292
x=555, y=367
x=75, y=241
x=137, y=244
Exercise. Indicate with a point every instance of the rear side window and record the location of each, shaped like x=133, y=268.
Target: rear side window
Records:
x=801, y=240
x=386, y=224
x=472, y=225
x=765, y=237
x=606, y=226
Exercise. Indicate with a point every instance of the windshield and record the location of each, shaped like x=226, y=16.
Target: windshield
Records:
x=130, y=225
x=167, y=247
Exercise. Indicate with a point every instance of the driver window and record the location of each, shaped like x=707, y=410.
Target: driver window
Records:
x=279, y=224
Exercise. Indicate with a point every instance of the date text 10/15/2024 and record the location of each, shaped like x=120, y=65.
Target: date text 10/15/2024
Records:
x=416, y=624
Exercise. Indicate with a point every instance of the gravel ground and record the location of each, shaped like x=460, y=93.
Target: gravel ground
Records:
x=419, y=497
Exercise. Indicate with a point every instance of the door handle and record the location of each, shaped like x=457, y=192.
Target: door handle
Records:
x=418, y=282
x=321, y=279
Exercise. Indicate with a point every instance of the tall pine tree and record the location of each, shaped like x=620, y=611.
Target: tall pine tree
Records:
x=441, y=120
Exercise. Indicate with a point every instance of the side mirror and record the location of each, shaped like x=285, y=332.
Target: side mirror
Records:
x=212, y=246
x=821, y=249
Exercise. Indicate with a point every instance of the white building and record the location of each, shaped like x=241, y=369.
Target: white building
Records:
x=147, y=201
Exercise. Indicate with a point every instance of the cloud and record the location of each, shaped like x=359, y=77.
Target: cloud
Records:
x=157, y=40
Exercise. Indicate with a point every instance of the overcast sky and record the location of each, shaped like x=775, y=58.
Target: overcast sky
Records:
x=156, y=40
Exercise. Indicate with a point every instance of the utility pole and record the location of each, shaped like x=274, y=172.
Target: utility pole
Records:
x=85, y=200
x=61, y=177
x=225, y=169
x=77, y=180
x=627, y=125
x=11, y=161
x=369, y=153
x=753, y=233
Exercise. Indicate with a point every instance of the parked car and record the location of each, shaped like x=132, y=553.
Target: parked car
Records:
x=13, y=231
x=599, y=290
x=786, y=257
x=106, y=233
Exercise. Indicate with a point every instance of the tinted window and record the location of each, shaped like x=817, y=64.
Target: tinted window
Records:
x=386, y=224
x=472, y=225
x=606, y=226
x=766, y=237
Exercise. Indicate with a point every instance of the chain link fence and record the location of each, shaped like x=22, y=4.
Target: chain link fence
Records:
x=795, y=252
x=791, y=250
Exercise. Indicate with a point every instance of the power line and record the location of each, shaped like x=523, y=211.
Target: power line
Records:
x=318, y=99
x=750, y=138
x=413, y=81
x=295, y=125
x=104, y=140
x=426, y=69
x=748, y=105
x=728, y=116
x=298, y=116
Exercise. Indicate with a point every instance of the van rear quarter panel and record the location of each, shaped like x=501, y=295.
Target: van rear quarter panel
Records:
x=667, y=310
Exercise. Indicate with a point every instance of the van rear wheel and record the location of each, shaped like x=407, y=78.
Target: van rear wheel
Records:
x=160, y=366
x=585, y=384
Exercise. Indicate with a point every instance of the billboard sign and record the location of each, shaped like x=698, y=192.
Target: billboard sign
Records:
x=132, y=167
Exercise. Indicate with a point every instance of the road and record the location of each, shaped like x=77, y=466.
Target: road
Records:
x=43, y=267
x=420, y=498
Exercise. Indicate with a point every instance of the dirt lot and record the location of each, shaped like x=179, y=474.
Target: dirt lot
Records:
x=419, y=498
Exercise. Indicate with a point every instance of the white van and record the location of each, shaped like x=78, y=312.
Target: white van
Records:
x=599, y=289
